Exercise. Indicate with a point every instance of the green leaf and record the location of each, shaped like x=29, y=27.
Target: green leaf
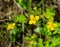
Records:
x=37, y=30
x=32, y=37
x=59, y=32
x=47, y=44
x=19, y=1
x=27, y=38
x=40, y=44
x=21, y=18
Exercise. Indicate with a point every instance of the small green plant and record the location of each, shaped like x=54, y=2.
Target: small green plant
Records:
x=21, y=18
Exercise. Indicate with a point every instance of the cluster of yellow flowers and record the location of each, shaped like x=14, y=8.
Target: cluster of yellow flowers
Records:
x=10, y=26
x=33, y=19
x=51, y=25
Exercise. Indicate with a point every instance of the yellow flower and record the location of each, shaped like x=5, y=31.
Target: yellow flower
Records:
x=51, y=25
x=32, y=22
x=33, y=19
x=36, y=18
x=10, y=26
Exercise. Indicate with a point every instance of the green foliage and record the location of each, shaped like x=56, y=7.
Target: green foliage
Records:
x=47, y=37
x=50, y=12
x=46, y=31
x=39, y=43
x=24, y=3
x=31, y=41
x=21, y=18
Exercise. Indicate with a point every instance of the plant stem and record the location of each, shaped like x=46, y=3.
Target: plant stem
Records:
x=22, y=22
x=23, y=34
x=43, y=13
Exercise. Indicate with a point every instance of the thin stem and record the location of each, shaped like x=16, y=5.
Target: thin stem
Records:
x=22, y=22
x=23, y=34
x=43, y=9
x=43, y=14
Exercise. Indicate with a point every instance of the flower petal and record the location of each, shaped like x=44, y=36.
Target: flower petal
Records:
x=30, y=22
x=36, y=17
x=31, y=17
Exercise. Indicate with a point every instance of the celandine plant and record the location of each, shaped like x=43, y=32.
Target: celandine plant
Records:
x=40, y=29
